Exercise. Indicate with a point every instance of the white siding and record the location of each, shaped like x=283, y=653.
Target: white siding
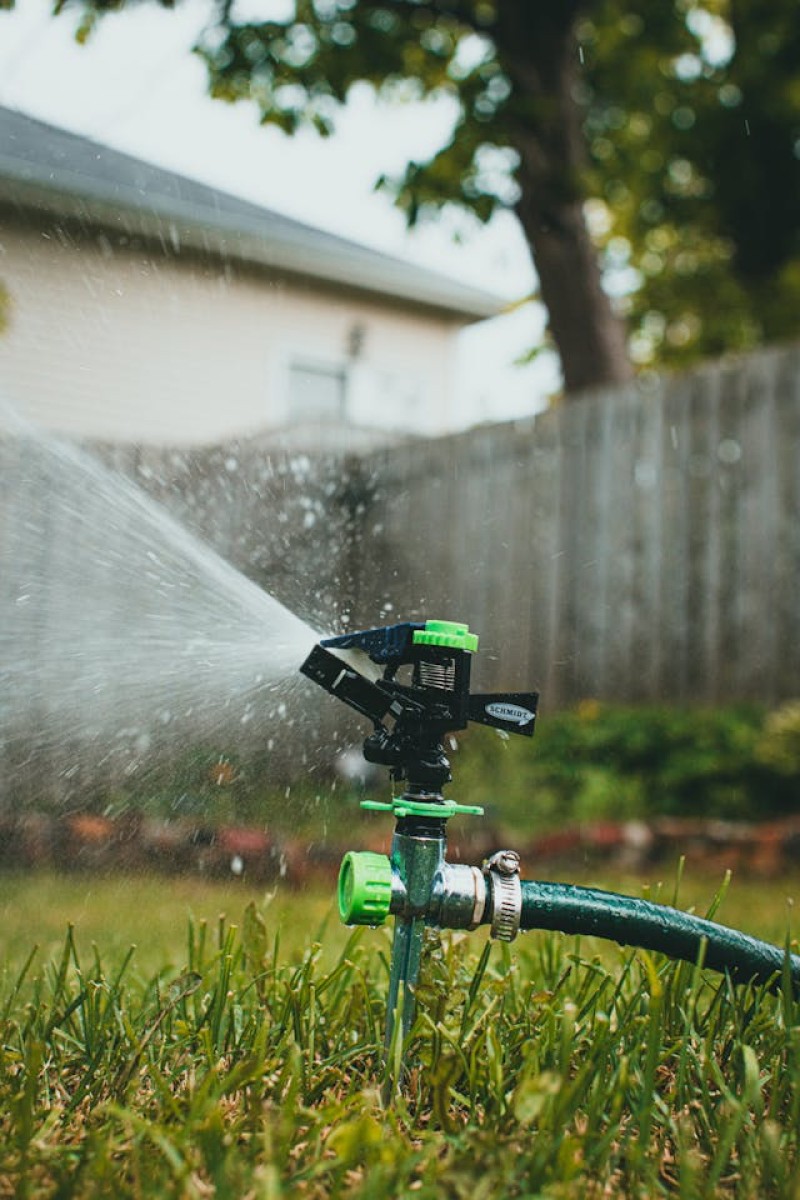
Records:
x=126, y=343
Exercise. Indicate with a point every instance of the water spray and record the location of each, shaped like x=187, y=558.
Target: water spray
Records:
x=412, y=681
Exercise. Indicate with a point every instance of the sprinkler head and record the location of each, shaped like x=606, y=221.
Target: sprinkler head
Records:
x=410, y=715
x=412, y=682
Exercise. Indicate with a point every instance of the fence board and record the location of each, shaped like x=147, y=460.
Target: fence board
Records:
x=785, y=606
x=757, y=531
x=637, y=526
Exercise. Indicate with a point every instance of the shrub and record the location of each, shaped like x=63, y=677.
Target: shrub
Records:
x=594, y=762
x=602, y=761
x=779, y=745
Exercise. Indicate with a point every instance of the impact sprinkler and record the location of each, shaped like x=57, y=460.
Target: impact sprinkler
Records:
x=412, y=681
x=417, y=885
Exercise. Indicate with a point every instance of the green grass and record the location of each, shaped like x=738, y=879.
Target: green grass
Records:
x=239, y=1057
x=148, y=912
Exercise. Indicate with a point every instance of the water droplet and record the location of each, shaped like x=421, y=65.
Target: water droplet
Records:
x=645, y=475
x=729, y=452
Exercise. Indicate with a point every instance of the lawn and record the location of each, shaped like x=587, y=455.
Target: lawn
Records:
x=239, y=1055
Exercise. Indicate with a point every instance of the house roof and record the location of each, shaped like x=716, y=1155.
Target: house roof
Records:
x=44, y=167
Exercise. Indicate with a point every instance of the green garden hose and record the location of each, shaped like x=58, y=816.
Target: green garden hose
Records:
x=568, y=908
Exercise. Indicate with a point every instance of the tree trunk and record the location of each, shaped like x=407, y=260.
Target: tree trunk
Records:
x=537, y=48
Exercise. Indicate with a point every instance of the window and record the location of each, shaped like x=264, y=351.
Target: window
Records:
x=317, y=392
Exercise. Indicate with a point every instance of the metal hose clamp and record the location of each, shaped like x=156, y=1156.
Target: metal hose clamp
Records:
x=503, y=869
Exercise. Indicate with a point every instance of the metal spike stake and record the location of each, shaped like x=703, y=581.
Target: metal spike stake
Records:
x=406, y=957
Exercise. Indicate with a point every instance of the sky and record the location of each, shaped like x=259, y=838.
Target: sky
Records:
x=137, y=87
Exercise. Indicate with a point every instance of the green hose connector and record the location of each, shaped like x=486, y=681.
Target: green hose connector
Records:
x=365, y=888
x=452, y=635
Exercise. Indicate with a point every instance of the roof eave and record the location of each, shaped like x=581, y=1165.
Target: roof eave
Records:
x=175, y=225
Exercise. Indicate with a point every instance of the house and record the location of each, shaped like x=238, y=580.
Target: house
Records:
x=146, y=307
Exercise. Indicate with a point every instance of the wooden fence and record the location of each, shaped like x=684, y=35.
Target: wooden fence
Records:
x=633, y=545
x=630, y=546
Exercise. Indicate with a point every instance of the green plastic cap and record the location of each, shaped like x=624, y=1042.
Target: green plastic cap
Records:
x=365, y=888
x=450, y=634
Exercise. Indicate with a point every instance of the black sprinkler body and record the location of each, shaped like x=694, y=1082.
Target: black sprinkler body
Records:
x=412, y=681
x=435, y=700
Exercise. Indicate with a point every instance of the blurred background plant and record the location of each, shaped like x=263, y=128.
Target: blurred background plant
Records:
x=601, y=761
x=779, y=746
x=593, y=762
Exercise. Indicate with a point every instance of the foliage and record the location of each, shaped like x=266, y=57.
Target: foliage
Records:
x=212, y=785
x=299, y=67
x=690, y=117
x=779, y=745
x=505, y=70
x=603, y=761
x=543, y=1070
x=693, y=126
x=507, y=73
x=594, y=762
x=201, y=783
